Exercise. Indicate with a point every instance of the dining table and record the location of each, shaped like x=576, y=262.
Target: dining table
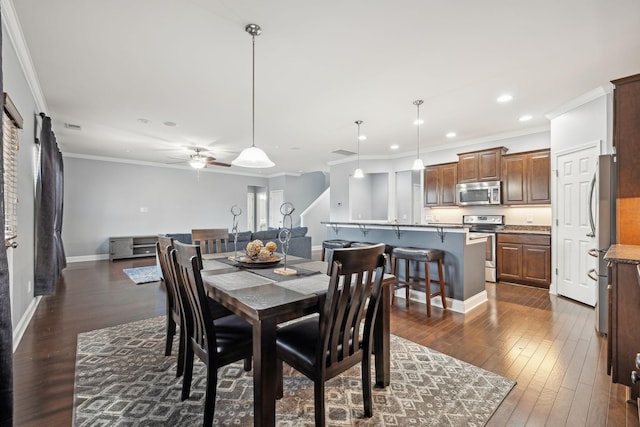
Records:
x=266, y=299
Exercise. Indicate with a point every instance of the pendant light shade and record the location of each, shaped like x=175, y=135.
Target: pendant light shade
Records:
x=253, y=157
x=358, y=173
x=417, y=163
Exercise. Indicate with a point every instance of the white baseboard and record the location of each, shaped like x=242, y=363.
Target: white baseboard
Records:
x=82, y=258
x=452, y=304
x=21, y=327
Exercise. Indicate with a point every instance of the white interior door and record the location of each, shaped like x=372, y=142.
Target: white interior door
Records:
x=575, y=172
x=417, y=204
x=276, y=198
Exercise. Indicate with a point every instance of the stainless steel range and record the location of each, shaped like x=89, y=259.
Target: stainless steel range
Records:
x=487, y=225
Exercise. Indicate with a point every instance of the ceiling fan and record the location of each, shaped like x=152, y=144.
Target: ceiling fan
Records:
x=200, y=159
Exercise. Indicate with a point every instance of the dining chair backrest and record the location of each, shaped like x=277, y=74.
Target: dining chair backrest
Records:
x=187, y=262
x=353, y=296
x=211, y=240
x=164, y=246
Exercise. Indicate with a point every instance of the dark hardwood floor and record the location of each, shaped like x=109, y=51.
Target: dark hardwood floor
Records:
x=547, y=344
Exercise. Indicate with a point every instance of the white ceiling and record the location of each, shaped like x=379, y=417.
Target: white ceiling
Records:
x=105, y=64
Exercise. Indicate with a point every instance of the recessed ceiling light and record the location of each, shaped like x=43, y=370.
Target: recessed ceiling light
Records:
x=525, y=118
x=171, y=124
x=362, y=137
x=394, y=146
x=451, y=135
x=504, y=98
x=418, y=122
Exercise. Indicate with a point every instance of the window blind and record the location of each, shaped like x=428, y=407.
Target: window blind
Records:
x=11, y=122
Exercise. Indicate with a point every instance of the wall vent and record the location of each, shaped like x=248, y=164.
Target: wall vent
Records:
x=72, y=126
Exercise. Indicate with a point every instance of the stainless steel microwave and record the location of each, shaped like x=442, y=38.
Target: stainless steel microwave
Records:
x=478, y=193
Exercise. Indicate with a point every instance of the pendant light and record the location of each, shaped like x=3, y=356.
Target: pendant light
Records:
x=417, y=163
x=358, y=173
x=253, y=157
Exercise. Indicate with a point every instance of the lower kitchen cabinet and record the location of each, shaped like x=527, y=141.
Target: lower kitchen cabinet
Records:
x=524, y=258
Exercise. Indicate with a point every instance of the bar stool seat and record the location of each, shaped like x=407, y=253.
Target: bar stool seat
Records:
x=419, y=255
x=334, y=244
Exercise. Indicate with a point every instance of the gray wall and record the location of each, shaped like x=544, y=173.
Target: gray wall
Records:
x=104, y=199
x=300, y=190
x=22, y=258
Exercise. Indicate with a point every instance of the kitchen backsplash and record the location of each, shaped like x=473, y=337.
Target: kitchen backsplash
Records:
x=513, y=215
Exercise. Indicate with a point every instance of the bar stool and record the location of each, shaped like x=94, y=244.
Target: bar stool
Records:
x=334, y=244
x=418, y=255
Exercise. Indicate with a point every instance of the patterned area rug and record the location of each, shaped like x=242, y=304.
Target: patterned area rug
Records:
x=141, y=275
x=124, y=379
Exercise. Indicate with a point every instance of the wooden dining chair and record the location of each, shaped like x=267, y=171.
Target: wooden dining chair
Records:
x=164, y=246
x=218, y=342
x=324, y=346
x=211, y=240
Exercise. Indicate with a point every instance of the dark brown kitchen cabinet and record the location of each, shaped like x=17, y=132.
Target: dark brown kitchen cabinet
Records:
x=482, y=165
x=440, y=184
x=526, y=178
x=624, y=317
x=524, y=258
x=626, y=138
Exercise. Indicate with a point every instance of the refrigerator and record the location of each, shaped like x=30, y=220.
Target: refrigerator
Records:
x=602, y=217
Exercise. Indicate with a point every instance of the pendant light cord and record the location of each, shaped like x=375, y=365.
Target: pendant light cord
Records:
x=418, y=132
x=253, y=92
x=358, y=123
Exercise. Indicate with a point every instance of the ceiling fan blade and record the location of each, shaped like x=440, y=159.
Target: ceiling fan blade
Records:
x=211, y=162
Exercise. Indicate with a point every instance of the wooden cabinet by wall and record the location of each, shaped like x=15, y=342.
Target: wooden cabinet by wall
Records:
x=626, y=138
x=480, y=165
x=526, y=178
x=624, y=340
x=132, y=247
x=440, y=184
x=524, y=258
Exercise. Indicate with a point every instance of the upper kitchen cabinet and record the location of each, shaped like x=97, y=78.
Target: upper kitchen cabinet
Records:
x=626, y=138
x=480, y=165
x=440, y=184
x=526, y=178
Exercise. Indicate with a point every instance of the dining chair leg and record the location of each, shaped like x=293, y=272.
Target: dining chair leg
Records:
x=247, y=364
x=318, y=399
x=188, y=372
x=181, y=350
x=171, y=332
x=366, y=386
x=210, y=394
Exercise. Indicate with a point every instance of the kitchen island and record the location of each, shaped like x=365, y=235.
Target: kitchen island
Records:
x=464, y=258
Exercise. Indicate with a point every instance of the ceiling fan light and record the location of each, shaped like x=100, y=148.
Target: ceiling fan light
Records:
x=253, y=157
x=358, y=173
x=418, y=165
x=198, y=162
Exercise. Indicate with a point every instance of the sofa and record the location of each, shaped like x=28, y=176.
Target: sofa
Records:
x=299, y=244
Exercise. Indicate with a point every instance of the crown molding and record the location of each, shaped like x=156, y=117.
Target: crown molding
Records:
x=580, y=100
x=14, y=30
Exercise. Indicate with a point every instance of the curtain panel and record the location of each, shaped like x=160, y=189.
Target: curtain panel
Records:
x=50, y=256
x=6, y=329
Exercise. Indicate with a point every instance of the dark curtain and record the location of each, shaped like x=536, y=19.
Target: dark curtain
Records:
x=50, y=257
x=6, y=330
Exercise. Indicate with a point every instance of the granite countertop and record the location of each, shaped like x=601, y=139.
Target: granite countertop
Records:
x=625, y=254
x=527, y=229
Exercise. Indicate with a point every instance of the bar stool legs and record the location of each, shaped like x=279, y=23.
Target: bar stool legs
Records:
x=425, y=256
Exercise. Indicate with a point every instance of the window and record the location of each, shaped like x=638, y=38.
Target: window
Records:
x=11, y=122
